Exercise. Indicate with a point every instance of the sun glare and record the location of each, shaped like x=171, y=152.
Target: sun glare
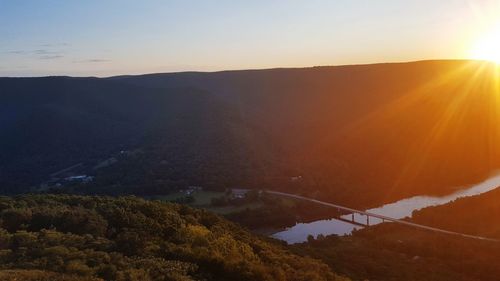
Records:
x=488, y=46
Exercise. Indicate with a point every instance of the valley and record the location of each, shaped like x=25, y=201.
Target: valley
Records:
x=173, y=140
x=346, y=224
x=221, y=130
x=233, y=143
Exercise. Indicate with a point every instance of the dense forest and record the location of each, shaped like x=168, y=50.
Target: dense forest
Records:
x=392, y=252
x=52, y=123
x=60, y=237
x=348, y=132
x=477, y=215
x=94, y=238
x=395, y=252
x=313, y=131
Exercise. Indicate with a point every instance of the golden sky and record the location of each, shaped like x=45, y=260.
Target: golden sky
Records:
x=102, y=38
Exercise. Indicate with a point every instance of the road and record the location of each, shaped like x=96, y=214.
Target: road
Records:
x=385, y=218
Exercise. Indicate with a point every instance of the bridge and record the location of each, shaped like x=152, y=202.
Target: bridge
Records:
x=381, y=217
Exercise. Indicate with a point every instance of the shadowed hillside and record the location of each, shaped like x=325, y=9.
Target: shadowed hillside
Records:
x=55, y=122
x=477, y=215
x=379, y=132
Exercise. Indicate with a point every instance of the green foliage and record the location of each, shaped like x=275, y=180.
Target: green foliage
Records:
x=476, y=215
x=134, y=239
x=394, y=252
x=38, y=275
x=276, y=212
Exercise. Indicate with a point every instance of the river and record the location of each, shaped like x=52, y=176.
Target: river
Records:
x=398, y=210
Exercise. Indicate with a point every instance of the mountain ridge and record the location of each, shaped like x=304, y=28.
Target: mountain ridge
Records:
x=346, y=130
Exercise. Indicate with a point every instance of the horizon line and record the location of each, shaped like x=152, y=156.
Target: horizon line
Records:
x=253, y=69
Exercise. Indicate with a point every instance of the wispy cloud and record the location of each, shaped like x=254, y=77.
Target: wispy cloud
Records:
x=50, y=57
x=63, y=44
x=93, y=61
x=17, y=52
x=44, y=54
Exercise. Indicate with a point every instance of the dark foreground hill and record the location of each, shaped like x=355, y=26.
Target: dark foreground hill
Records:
x=99, y=238
x=359, y=135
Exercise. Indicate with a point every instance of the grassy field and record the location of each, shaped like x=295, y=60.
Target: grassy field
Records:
x=202, y=199
x=231, y=209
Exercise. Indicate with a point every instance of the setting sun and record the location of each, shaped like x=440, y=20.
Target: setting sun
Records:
x=488, y=46
x=173, y=140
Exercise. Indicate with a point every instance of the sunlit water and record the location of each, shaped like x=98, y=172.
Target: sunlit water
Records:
x=398, y=210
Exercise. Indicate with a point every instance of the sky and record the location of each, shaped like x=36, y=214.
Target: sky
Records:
x=113, y=37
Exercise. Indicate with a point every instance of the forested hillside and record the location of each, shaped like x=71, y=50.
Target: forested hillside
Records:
x=99, y=238
x=393, y=252
x=359, y=135
x=477, y=215
x=382, y=131
x=52, y=123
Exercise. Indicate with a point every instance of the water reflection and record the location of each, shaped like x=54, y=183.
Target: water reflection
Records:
x=398, y=210
x=301, y=231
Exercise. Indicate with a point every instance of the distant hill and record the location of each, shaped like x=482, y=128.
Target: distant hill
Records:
x=361, y=134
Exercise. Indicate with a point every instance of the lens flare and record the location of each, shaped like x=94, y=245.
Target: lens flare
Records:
x=488, y=46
